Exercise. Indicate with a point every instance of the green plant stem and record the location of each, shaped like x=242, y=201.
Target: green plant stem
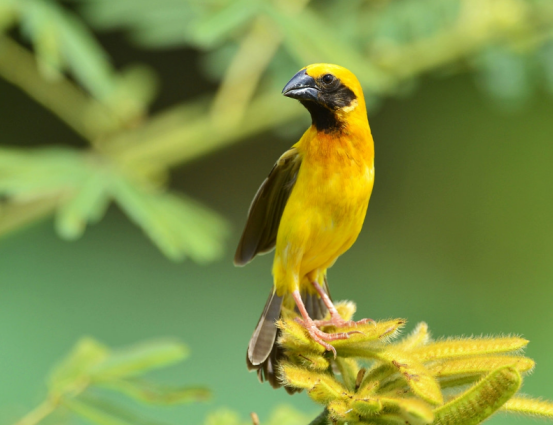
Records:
x=39, y=413
x=190, y=140
x=52, y=402
x=243, y=75
x=63, y=98
x=15, y=214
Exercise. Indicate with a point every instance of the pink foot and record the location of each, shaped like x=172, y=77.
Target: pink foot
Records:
x=337, y=321
x=321, y=337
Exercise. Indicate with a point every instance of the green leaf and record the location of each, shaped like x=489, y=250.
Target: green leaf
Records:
x=414, y=411
x=41, y=172
x=219, y=25
x=141, y=208
x=15, y=214
x=61, y=40
x=482, y=400
x=94, y=414
x=418, y=337
x=83, y=186
x=134, y=89
x=418, y=378
x=86, y=58
x=200, y=231
x=348, y=368
x=177, y=225
x=367, y=406
x=529, y=406
x=87, y=204
x=74, y=371
x=154, y=393
x=452, y=382
x=102, y=412
x=139, y=359
x=39, y=22
x=455, y=348
x=159, y=23
x=476, y=365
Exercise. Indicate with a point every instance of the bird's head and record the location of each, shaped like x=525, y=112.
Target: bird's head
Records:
x=331, y=93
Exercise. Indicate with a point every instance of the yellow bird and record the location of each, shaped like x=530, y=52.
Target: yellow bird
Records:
x=311, y=209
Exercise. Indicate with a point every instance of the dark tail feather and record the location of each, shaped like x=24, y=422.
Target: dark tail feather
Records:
x=263, y=339
x=264, y=354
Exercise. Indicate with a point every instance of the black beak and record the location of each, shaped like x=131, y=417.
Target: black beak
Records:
x=301, y=87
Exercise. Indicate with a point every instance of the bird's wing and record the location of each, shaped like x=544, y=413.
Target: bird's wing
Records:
x=264, y=216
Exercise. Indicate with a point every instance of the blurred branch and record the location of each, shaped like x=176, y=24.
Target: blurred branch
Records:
x=89, y=182
x=90, y=364
x=15, y=214
x=39, y=413
x=241, y=79
x=188, y=139
x=243, y=75
x=474, y=30
x=63, y=98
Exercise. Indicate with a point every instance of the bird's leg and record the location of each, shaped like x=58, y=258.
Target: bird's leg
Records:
x=315, y=333
x=336, y=320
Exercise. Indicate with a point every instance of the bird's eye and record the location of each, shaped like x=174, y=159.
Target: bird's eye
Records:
x=327, y=78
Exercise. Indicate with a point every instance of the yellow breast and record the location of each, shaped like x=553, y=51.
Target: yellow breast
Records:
x=327, y=206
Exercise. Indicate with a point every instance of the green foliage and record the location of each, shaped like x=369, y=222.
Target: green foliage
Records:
x=79, y=186
x=252, y=48
x=63, y=42
x=365, y=35
x=413, y=381
x=74, y=383
x=83, y=184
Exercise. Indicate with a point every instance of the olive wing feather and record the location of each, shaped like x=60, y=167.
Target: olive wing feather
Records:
x=260, y=233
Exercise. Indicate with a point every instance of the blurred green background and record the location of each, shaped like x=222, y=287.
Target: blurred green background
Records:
x=458, y=231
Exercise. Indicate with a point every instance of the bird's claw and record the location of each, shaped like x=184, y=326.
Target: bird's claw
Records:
x=322, y=337
x=337, y=321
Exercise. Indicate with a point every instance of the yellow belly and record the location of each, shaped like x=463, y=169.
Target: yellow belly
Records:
x=322, y=219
